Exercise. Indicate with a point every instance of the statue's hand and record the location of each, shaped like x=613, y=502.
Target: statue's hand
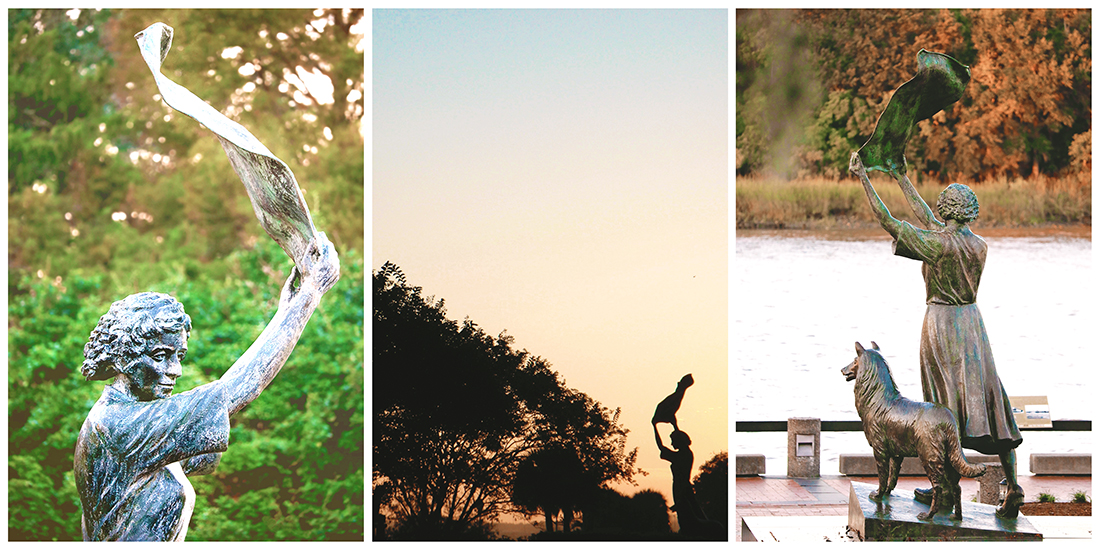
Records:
x=855, y=165
x=323, y=271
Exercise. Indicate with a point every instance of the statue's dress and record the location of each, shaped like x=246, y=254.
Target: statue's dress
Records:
x=128, y=461
x=957, y=368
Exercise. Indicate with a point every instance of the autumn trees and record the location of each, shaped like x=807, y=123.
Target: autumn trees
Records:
x=467, y=428
x=811, y=83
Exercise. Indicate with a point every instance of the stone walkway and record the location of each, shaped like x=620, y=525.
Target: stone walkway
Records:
x=828, y=496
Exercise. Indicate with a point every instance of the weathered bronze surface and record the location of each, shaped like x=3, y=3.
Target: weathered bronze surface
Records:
x=894, y=518
x=139, y=442
x=690, y=516
x=897, y=427
x=939, y=82
x=957, y=367
x=276, y=197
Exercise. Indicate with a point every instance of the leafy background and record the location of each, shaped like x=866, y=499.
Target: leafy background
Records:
x=110, y=192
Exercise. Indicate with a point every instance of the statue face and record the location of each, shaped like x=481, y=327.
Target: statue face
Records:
x=153, y=375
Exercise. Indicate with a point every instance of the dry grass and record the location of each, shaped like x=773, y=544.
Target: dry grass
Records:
x=823, y=203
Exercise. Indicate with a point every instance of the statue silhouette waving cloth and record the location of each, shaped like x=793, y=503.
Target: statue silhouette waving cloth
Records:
x=139, y=442
x=957, y=367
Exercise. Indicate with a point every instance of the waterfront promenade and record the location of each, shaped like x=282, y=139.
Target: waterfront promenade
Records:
x=779, y=496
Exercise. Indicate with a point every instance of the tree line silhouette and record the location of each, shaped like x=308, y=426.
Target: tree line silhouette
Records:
x=467, y=428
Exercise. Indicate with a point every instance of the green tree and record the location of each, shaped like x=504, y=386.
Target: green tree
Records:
x=457, y=411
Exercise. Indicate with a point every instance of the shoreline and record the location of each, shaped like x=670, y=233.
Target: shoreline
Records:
x=869, y=231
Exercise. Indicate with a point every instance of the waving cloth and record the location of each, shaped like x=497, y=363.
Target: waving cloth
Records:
x=940, y=81
x=271, y=186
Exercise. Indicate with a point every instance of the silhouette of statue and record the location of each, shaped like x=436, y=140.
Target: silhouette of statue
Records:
x=139, y=442
x=693, y=521
x=666, y=409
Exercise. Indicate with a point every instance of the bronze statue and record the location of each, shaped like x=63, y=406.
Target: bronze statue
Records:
x=140, y=442
x=957, y=368
x=897, y=427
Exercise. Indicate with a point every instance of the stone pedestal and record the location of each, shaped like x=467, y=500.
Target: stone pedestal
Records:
x=895, y=518
x=989, y=484
x=804, y=447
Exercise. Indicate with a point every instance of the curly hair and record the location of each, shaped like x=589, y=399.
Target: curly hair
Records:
x=125, y=331
x=958, y=202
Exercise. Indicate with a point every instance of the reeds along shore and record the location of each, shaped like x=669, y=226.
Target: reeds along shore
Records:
x=766, y=203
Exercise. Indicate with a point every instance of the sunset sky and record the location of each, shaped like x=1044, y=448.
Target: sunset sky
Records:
x=562, y=175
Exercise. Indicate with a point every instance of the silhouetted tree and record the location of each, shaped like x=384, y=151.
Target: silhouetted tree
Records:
x=712, y=487
x=456, y=412
x=611, y=511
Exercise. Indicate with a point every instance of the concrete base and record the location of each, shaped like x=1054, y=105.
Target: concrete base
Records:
x=832, y=529
x=1061, y=464
x=795, y=529
x=750, y=465
x=895, y=518
x=863, y=465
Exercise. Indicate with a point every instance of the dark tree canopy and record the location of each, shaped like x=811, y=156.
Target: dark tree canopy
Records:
x=458, y=414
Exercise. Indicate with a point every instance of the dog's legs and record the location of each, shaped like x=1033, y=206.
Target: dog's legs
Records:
x=956, y=496
x=882, y=466
x=895, y=470
x=934, y=469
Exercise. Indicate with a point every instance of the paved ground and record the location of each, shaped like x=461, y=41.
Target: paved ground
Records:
x=828, y=496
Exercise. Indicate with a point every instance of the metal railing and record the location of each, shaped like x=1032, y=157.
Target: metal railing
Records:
x=857, y=426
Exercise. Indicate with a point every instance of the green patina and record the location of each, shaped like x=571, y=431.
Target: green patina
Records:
x=939, y=82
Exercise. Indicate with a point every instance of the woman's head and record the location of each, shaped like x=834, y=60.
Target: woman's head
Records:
x=958, y=202
x=128, y=330
x=680, y=440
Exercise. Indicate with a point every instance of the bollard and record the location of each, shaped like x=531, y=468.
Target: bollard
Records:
x=804, y=447
x=989, y=484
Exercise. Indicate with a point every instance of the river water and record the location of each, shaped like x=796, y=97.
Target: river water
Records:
x=801, y=300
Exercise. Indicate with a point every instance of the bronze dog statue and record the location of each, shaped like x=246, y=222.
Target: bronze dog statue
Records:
x=897, y=427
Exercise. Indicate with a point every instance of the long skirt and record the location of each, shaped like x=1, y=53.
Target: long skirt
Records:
x=957, y=371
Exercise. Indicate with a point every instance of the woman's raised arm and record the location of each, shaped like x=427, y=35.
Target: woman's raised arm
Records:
x=250, y=374
x=882, y=214
x=916, y=203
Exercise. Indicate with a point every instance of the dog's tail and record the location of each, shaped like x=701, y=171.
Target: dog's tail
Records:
x=955, y=455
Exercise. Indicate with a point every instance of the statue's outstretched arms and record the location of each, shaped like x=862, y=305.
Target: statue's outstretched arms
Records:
x=266, y=356
x=888, y=222
x=665, y=451
x=920, y=208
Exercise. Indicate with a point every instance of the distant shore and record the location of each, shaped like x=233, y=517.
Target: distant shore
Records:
x=823, y=204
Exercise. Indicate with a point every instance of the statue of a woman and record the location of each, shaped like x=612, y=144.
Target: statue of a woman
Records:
x=689, y=515
x=957, y=368
x=139, y=441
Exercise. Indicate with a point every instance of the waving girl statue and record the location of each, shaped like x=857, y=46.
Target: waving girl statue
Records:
x=957, y=368
x=140, y=442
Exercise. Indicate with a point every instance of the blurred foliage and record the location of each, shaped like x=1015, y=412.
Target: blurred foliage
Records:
x=824, y=203
x=90, y=139
x=457, y=413
x=811, y=84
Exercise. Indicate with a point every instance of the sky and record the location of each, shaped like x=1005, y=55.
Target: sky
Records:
x=563, y=175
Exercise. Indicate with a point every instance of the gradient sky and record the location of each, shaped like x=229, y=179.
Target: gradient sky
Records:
x=562, y=175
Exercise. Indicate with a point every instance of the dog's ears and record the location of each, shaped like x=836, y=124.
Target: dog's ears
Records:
x=874, y=346
x=859, y=349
